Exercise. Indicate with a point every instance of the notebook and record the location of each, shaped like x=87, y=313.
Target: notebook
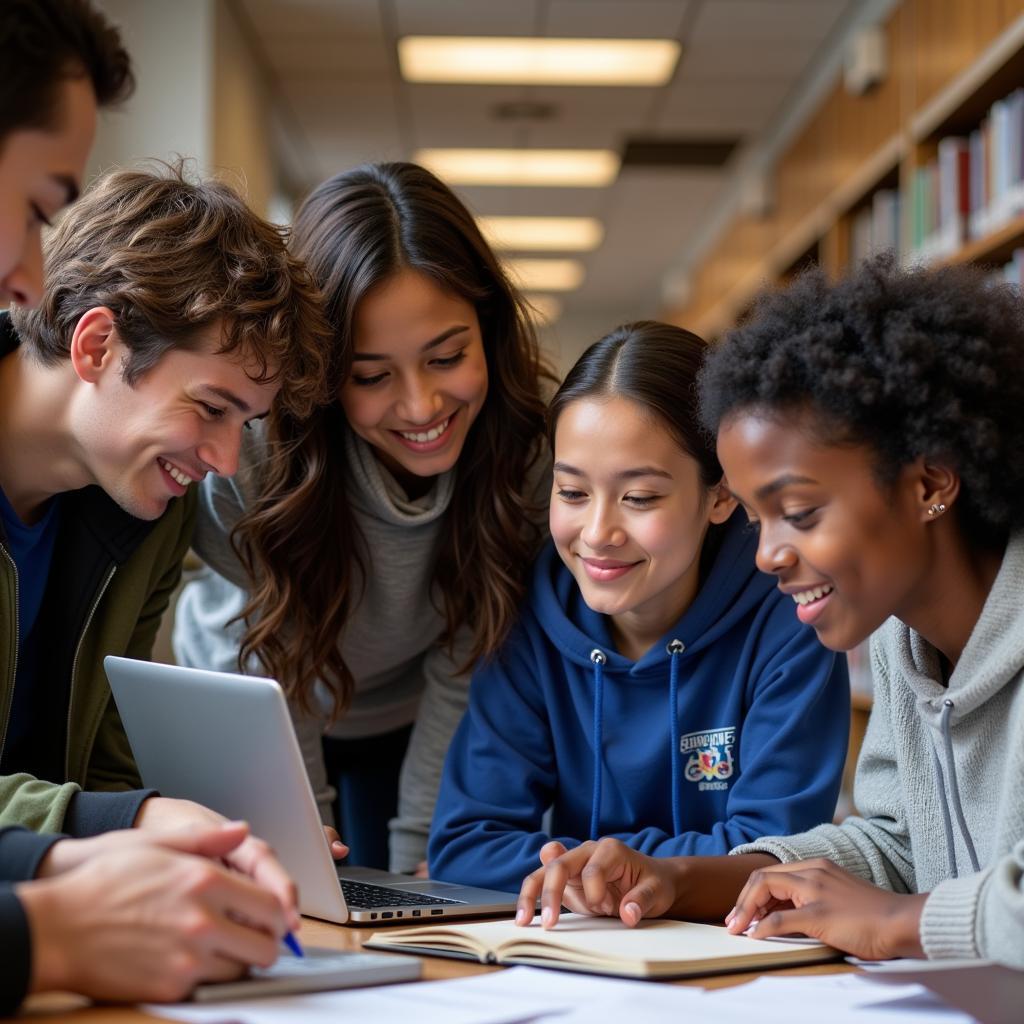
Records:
x=227, y=742
x=603, y=945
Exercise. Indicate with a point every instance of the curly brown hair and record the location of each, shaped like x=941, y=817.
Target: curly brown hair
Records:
x=170, y=257
x=299, y=541
x=909, y=362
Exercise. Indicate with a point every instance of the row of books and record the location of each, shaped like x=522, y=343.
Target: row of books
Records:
x=974, y=187
x=876, y=227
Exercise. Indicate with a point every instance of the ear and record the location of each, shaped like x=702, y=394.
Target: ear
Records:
x=723, y=504
x=95, y=345
x=936, y=488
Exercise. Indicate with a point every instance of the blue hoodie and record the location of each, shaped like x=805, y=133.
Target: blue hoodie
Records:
x=733, y=726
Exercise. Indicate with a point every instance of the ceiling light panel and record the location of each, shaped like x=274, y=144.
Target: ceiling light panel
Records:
x=538, y=275
x=576, y=168
x=542, y=234
x=504, y=60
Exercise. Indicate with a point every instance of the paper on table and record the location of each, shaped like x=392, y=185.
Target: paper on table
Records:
x=444, y=1002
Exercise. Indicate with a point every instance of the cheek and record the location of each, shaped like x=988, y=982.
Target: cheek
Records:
x=363, y=411
x=562, y=523
x=471, y=382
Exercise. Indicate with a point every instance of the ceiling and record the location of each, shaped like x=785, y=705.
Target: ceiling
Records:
x=341, y=101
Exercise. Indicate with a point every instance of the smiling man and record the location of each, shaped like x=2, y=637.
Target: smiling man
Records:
x=171, y=318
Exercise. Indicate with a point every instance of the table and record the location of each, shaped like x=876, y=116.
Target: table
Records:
x=55, y=1007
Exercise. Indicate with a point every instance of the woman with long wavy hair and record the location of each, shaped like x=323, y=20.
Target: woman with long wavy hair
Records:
x=372, y=554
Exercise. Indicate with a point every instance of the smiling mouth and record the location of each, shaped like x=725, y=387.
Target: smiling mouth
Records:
x=805, y=597
x=174, y=473
x=425, y=436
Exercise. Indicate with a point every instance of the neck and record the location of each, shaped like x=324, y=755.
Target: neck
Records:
x=413, y=485
x=948, y=600
x=636, y=631
x=37, y=453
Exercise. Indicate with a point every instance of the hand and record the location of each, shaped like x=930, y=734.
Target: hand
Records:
x=603, y=878
x=822, y=900
x=68, y=854
x=339, y=851
x=148, y=923
x=253, y=857
x=422, y=870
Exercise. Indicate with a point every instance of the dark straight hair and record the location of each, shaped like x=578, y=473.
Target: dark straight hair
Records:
x=300, y=542
x=44, y=42
x=656, y=366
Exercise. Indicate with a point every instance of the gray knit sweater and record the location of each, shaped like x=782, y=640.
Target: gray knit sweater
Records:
x=945, y=818
x=390, y=641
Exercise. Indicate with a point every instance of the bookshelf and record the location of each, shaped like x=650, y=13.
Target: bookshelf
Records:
x=951, y=64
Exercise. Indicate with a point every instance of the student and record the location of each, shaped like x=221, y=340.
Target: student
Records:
x=137, y=905
x=657, y=688
x=872, y=429
x=385, y=541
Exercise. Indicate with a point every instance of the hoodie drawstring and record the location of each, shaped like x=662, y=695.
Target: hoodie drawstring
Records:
x=675, y=648
x=598, y=657
x=954, y=788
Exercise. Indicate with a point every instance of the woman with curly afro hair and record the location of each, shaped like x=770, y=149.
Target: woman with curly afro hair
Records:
x=873, y=431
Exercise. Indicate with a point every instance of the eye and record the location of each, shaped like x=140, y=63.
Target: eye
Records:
x=38, y=216
x=445, y=362
x=800, y=520
x=211, y=410
x=367, y=382
x=568, y=494
x=641, y=500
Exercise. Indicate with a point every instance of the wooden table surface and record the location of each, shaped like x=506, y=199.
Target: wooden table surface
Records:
x=56, y=1007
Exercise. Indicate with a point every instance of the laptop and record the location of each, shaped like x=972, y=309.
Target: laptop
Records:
x=227, y=741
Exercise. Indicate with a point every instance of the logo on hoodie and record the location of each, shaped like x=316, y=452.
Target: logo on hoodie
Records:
x=710, y=762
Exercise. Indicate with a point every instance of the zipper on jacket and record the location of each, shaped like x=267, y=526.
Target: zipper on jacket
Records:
x=14, y=681
x=74, y=664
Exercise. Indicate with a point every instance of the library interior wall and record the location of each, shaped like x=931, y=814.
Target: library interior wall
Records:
x=845, y=146
x=201, y=94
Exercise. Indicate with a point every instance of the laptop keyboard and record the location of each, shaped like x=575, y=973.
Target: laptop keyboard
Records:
x=361, y=896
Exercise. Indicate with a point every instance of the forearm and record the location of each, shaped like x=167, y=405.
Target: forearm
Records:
x=706, y=888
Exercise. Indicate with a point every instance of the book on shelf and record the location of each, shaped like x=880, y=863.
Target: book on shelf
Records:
x=603, y=945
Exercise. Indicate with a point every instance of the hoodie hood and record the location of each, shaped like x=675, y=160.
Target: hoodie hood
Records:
x=732, y=587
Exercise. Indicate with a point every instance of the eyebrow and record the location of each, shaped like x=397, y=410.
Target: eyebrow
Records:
x=231, y=398
x=70, y=186
x=433, y=343
x=786, y=480
x=626, y=474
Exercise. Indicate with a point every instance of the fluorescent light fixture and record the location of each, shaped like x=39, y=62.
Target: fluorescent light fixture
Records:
x=542, y=234
x=546, y=275
x=504, y=60
x=545, y=309
x=569, y=168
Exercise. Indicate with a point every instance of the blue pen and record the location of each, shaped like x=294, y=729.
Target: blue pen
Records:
x=293, y=944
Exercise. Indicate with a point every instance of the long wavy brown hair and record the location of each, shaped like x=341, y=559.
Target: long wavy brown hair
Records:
x=299, y=541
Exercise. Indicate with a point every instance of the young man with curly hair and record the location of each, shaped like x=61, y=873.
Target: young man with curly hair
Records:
x=872, y=429
x=169, y=315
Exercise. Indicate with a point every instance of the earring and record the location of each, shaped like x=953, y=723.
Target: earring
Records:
x=937, y=509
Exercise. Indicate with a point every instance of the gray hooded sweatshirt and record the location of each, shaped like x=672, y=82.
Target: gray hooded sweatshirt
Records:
x=390, y=642
x=940, y=782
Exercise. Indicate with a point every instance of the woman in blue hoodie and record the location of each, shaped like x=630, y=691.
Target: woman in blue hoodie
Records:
x=657, y=688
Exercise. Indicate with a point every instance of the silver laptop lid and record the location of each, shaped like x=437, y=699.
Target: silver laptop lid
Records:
x=227, y=741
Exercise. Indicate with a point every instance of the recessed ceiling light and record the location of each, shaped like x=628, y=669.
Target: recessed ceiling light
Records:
x=546, y=275
x=575, y=168
x=545, y=309
x=525, y=61
x=542, y=234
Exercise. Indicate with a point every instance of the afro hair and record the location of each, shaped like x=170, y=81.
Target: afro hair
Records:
x=908, y=362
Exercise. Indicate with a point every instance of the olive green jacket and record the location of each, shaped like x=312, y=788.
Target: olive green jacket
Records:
x=116, y=575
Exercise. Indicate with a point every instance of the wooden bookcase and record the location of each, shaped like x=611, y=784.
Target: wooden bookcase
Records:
x=949, y=60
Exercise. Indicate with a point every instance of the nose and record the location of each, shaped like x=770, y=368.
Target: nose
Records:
x=774, y=555
x=420, y=402
x=602, y=528
x=220, y=451
x=24, y=282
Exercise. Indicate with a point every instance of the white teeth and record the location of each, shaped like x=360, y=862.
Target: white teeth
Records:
x=814, y=594
x=176, y=474
x=424, y=437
